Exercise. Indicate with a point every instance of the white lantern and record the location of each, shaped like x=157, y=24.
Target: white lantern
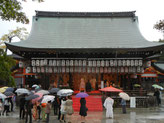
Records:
x=132, y=62
x=136, y=62
x=126, y=70
x=124, y=63
x=102, y=63
x=71, y=69
x=107, y=63
x=50, y=70
x=97, y=69
x=67, y=69
x=38, y=70
x=37, y=63
x=113, y=69
x=42, y=69
x=140, y=63
x=84, y=69
x=98, y=63
x=90, y=63
x=63, y=62
x=47, y=70
x=79, y=69
x=34, y=69
x=130, y=69
x=63, y=69
x=76, y=69
x=122, y=70
x=41, y=62
x=115, y=63
x=118, y=69
x=94, y=63
x=148, y=63
x=50, y=63
x=76, y=63
x=109, y=69
x=128, y=62
x=89, y=69
x=84, y=62
x=59, y=69
x=71, y=63
x=67, y=62
x=111, y=63
x=93, y=69
x=80, y=63
x=45, y=62
x=54, y=63
x=119, y=63
x=33, y=62
x=138, y=69
x=101, y=70
x=58, y=63
x=134, y=69
x=105, y=69
x=28, y=69
x=55, y=69
x=20, y=64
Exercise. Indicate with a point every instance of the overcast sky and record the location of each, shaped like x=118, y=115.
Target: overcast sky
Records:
x=148, y=12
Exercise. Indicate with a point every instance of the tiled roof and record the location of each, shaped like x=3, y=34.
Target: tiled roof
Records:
x=62, y=32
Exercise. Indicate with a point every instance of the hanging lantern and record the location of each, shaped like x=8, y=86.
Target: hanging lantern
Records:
x=136, y=62
x=28, y=69
x=50, y=70
x=41, y=62
x=67, y=62
x=54, y=63
x=20, y=64
x=79, y=69
x=63, y=62
x=93, y=69
x=58, y=63
x=102, y=63
x=38, y=69
x=90, y=63
x=128, y=62
x=33, y=62
x=80, y=63
x=107, y=63
x=34, y=69
x=111, y=63
x=119, y=62
x=132, y=62
x=76, y=63
x=47, y=70
x=101, y=70
x=84, y=69
x=63, y=69
x=71, y=69
x=55, y=70
x=124, y=63
x=42, y=69
x=37, y=63
x=140, y=63
x=148, y=63
x=67, y=69
x=109, y=69
x=45, y=62
x=105, y=69
x=94, y=63
x=89, y=69
x=71, y=63
x=98, y=63
x=84, y=62
x=50, y=63
x=122, y=70
x=97, y=69
x=126, y=70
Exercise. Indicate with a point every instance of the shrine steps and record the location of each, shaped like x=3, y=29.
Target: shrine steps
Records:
x=93, y=103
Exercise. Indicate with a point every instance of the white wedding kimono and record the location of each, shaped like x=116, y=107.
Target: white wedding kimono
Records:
x=108, y=104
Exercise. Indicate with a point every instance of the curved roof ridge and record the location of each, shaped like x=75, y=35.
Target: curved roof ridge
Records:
x=84, y=14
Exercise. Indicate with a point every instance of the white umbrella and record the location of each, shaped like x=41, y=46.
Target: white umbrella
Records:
x=44, y=92
x=124, y=96
x=2, y=96
x=20, y=91
x=47, y=98
x=35, y=86
x=65, y=92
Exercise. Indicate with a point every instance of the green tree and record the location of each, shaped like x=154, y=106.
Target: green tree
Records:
x=12, y=10
x=160, y=26
x=6, y=63
x=20, y=33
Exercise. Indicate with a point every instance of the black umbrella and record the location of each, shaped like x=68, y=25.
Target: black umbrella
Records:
x=9, y=89
x=9, y=93
x=54, y=90
x=30, y=97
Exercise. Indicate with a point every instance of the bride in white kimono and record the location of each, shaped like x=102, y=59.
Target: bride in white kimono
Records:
x=108, y=104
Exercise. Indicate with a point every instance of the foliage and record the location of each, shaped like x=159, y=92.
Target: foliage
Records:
x=12, y=10
x=20, y=33
x=6, y=63
x=160, y=26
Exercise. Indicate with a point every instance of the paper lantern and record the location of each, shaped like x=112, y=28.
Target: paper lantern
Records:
x=55, y=69
x=54, y=63
x=90, y=63
x=124, y=63
x=101, y=70
x=71, y=63
x=128, y=62
x=50, y=63
x=42, y=69
x=97, y=69
x=119, y=62
x=94, y=63
x=98, y=63
x=20, y=64
x=33, y=62
x=115, y=63
x=102, y=63
x=28, y=69
x=105, y=70
x=41, y=62
x=140, y=63
x=126, y=70
x=38, y=70
x=132, y=62
x=111, y=63
x=67, y=62
x=71, y=69
x=45, y=62
x=107, y=63
x=67, y=69
x=80, y=62
x=58, y=63
x=37, y=63
x=136, y=63
x=63, y=69
x=84, y=62
x=34, y=69
x=109, y=69
x=63, y=62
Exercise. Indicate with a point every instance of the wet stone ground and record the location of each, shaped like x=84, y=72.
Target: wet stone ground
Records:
x=137, y=115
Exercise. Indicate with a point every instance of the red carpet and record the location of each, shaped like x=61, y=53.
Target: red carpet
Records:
x=93, y=103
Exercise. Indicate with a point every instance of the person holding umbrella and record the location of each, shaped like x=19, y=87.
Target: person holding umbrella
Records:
x=108, y=104
x=6, y=107
x=83, y=108
x=22, y=107
x=62, y=109
x=123, y=103
x=69, y=108
x=1, y=106
x=48, y=109
x=28, y=111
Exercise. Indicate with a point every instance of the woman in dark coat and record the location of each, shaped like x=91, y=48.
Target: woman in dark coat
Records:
x=83, y=108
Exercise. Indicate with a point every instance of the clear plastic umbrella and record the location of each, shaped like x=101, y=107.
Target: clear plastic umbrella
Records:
x=65, y=92
x=47, y=98
x=44, y=92
x=20, y=91
x=124, y=96
x=2, y=96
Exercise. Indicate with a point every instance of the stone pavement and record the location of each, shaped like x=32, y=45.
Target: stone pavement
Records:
x=137, y=115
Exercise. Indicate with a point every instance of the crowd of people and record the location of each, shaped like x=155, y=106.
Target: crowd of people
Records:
x=29, y=111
